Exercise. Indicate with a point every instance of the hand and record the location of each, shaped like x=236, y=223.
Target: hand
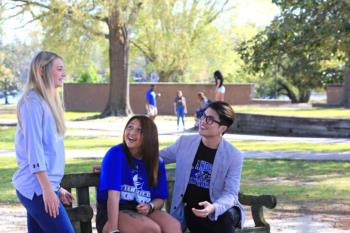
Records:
x=109, y=228
x=51, y=203
x=65, y=196
x=208, y=208
x=96, y=168
x=143, y=208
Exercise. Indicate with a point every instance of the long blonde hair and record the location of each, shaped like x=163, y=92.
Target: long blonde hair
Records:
x=41, y=81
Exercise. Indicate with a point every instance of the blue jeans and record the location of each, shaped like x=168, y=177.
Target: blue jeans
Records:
x=180, y=112
x=39, y=221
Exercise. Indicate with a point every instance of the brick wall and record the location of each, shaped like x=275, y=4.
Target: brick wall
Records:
x=93, y=97
x=334, y=94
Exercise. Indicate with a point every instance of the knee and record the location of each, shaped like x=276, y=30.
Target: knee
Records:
x=151, y=228
x=174, y=227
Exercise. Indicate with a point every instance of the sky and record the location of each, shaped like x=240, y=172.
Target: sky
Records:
x=259, y=12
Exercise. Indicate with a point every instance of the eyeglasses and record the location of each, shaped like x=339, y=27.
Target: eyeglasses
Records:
x=209, y=119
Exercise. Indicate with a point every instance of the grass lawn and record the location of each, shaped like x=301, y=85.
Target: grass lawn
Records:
x=7, y=137
x=305, y=184
x=9, y=112
x=8, y=167
x=295, y=183
x=295, y=111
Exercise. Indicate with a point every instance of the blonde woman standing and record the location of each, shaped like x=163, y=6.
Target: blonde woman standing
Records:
x=40, y=149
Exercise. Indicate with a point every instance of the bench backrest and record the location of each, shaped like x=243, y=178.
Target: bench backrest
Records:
x=82, y=214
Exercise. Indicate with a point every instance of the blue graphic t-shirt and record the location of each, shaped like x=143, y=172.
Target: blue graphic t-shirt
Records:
x=198, y=184
x=130, y=181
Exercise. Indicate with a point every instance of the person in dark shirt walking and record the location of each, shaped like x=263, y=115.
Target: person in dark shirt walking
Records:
x=180, y=108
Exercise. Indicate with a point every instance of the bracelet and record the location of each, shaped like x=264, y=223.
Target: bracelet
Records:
x=151, y=207
x=115, y=231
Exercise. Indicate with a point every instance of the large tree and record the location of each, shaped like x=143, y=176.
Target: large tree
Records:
x=7, y=81
x=78, y=22
x=301, y=44
x=169, y=33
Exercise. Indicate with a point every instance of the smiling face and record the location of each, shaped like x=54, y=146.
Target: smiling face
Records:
x=133, y=137
x=209, y=125
x=57, y=73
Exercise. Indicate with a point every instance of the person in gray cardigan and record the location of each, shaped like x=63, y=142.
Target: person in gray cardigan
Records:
x=208, y=172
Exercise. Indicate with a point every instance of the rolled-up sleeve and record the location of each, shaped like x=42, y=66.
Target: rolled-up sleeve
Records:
x=31, y=116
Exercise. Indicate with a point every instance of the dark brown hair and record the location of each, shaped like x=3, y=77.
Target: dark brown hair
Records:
x=201, y=95
x=149, y=148
x=218, y=77
x=225, y=112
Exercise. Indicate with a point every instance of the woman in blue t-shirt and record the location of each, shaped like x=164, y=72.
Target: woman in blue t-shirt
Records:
x=133, y=187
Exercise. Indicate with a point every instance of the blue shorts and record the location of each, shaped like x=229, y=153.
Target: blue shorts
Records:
x=39, y=221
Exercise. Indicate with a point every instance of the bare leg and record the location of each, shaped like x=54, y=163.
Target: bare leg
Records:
x=132, y=222
x=217, y=96
x=167, y=223
x=222, y=96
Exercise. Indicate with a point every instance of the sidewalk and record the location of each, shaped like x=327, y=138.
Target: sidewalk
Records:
x=13, y=220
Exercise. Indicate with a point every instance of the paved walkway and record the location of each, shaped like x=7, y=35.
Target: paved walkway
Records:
x=13, y=220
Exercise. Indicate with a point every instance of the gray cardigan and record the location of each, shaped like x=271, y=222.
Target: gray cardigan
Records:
x=225, y=177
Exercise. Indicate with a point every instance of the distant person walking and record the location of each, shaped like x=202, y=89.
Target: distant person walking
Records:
x=219, y=86
x=180, y=108
x=40, y=148
x=203, y=101
x=203, y=104
x=151, y=105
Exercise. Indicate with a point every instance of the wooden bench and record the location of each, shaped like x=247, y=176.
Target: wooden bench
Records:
x=82, y=214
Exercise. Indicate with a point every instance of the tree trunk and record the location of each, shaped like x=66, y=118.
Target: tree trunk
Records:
x=346, y=90
x=118, y=100
x=6, y=91
x=165, y=76
x=304, y=95
x=291, y=95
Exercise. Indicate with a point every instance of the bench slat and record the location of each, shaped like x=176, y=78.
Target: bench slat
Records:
x=80, y=180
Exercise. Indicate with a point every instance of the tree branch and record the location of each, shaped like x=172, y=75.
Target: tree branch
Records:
x=30, y=3
x=143, y=51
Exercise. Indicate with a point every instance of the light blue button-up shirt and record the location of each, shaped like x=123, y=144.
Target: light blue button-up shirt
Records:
x=38, y=147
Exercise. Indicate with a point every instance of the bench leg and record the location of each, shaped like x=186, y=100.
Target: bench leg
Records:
x=85, y=227
x=258, y=216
